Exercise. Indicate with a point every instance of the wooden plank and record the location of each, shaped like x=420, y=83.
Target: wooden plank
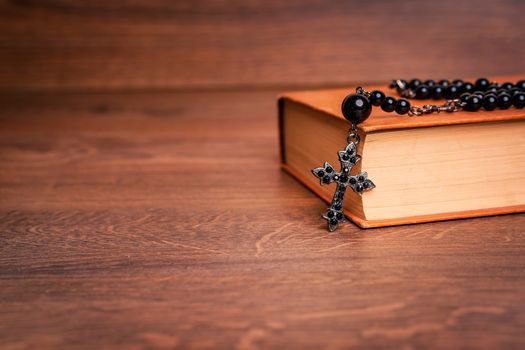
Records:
x=203, y=44
x=163, y=221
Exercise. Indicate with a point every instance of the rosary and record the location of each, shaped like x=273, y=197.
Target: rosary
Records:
x=356, y=108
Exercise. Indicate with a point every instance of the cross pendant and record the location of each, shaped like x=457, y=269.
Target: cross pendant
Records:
x=358, y=183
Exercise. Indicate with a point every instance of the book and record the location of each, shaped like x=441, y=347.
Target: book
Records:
x=428, y=168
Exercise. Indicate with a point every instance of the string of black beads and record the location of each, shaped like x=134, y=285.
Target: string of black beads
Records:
x=480, y=94
x=460, y=94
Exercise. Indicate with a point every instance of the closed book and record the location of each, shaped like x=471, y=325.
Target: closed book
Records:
x=427, y=168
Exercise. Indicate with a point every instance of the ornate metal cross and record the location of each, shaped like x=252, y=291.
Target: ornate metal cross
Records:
x=359, y=183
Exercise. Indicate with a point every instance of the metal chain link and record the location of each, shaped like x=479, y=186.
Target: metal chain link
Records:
x=353, y=136
x=450, y=106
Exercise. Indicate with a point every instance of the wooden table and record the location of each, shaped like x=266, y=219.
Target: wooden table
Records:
x=162, y=220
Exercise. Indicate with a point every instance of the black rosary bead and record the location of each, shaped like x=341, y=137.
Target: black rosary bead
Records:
x=422, y=92
x=451, y=92
x=518, y=100
x=414, y=83
x=377, y=97
x=473, y=103
x=482, y=84
x=479, y=94
x=389, y=104
x=504, y=101
x=491, y=90
x=490, y=102
x=458, y=82
x=464, y=96
x=467, y=87
x=402, y=106
x=506, y=86
x=356, y=108
x=437, y=92
x=444, y=83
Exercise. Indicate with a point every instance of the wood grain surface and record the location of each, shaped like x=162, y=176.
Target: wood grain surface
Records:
x=140, y=220
x=204, y=44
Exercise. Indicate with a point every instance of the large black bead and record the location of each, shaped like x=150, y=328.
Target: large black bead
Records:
x=482, y=84
x=437, y=92
x=444, y=82
x=467, y=87
x=518, y=100
x=473, y=103
x=479, y=93
x=389, y=104
x=521, y=84
x=430, y=83
x=504, y=101
x=377, y=97
x=402, y=106
x=356, y=108
x=422, y=92
x=458, y=82
x=414, y=83
x=506, y=85
x=464, y=96
x=490, y=102
x=491, y=90
x=451, y=92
